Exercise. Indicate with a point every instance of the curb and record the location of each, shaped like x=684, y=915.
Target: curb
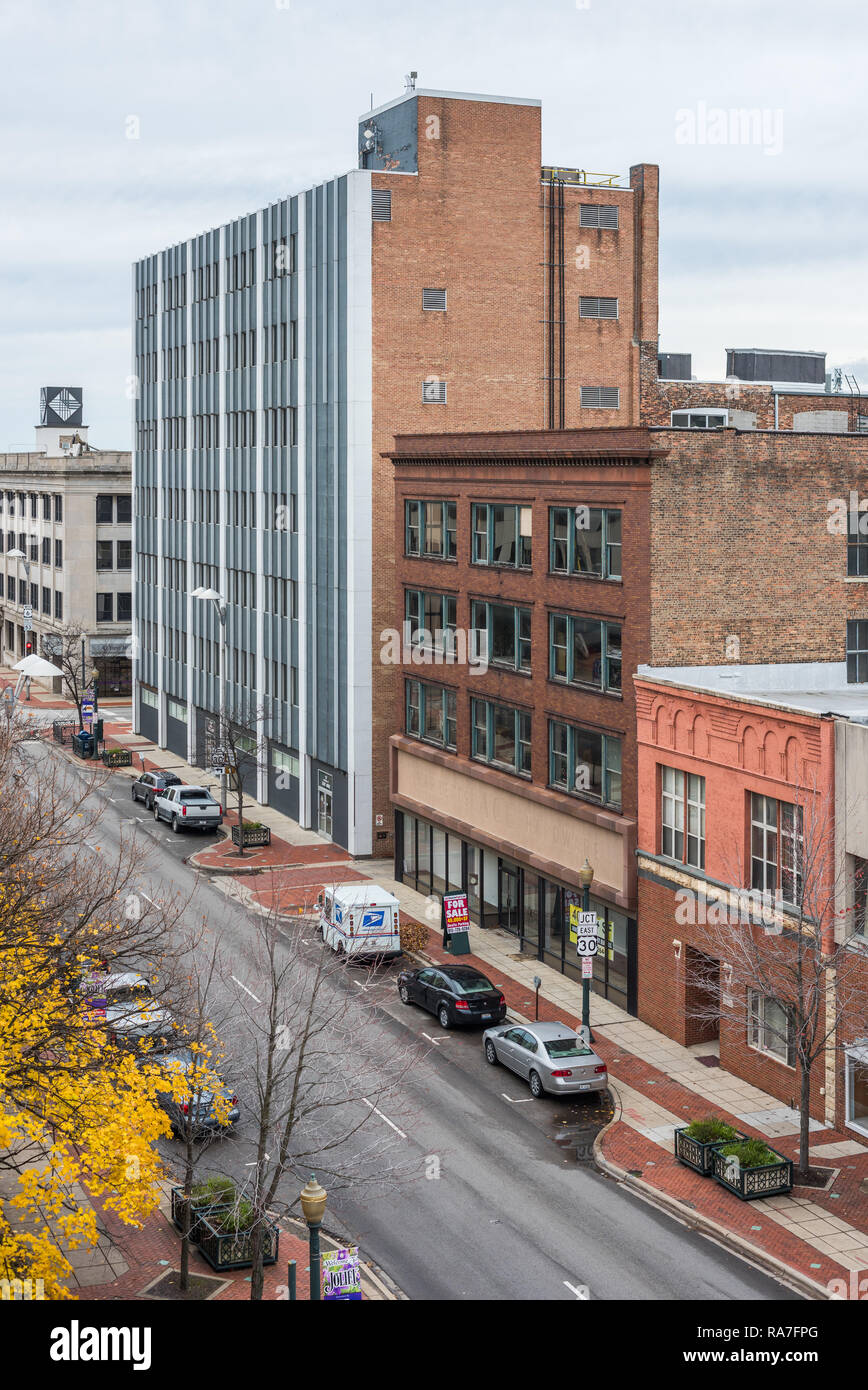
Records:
x=704, y=1224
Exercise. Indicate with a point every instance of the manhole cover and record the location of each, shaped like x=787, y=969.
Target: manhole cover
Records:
x=709, y=1061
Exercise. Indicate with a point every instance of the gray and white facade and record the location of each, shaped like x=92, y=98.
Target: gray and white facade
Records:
x=252, y=477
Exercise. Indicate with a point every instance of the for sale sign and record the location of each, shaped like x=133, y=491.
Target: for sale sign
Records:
x=341, y=1275
x=457, y=912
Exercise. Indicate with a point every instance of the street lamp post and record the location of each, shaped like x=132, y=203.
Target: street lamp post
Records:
x=586, y=875
x=19, y=555
x=219, y=603
x=313, y=1203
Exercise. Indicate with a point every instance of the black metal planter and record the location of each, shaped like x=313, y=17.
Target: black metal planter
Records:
x=695, y=1154
x=234, y=1249
x=117, y=757
x=773, y=1180
x=200, y=1210
x=260, y=836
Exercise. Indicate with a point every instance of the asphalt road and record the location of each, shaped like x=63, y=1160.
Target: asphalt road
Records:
x=506, y=1203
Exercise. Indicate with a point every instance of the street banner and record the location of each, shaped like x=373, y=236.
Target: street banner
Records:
x=341, y=1275
x=94, y=993
x=456, y=924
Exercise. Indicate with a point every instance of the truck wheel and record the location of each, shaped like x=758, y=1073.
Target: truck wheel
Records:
x=133, y=793
x=156, y=814
x=176, y=829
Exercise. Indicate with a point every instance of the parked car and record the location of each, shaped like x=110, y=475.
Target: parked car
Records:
x=147, y=787
x=453, y=993
x=188, y=808
x=202, y=1104
x=130, y=1014
x=550, y=1057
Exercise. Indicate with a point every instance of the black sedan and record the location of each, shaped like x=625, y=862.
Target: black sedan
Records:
x=150, y=784
x=454, y=994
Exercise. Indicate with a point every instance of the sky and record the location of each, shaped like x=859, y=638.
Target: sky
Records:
x=235, y=103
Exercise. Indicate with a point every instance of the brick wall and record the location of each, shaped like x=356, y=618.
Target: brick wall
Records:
x=740, y=545
x=473, y=221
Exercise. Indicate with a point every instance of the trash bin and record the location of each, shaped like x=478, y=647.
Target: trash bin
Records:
x=83, y=744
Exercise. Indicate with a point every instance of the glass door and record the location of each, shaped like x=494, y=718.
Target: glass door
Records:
x=324, y=804
x=509, y=899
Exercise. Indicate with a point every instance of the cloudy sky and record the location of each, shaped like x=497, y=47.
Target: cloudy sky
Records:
x=239, y=102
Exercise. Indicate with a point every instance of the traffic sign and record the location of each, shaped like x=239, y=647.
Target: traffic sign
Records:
x=587, y=967
x=585, y=926
x=28, y=612
x=87, y=709
x=27, y=624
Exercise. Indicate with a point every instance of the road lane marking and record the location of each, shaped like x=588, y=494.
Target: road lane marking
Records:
x=244, y=987
x=516, y=1102
x=92, y=846
x=580, y=1290
x=384, y=1117
x=435, y=1041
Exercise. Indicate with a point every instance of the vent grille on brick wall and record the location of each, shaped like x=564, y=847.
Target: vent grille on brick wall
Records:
x=601, y=397
x=434, y=391
x=433, y=299
x=381, y=204
x=591, y=308
x=598, y=215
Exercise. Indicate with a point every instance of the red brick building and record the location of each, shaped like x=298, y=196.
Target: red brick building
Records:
x=509, y=772
x=742, y=845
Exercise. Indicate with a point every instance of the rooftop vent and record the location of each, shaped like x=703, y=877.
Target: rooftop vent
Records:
x=674, y=366
x=763, y=364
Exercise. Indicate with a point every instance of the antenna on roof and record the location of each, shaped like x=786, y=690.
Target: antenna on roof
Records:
x=410, y=81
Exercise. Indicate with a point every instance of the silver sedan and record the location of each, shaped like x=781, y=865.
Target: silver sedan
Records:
x=550, y=1057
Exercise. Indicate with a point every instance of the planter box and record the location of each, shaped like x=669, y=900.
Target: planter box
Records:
x=234, y=1249
x=117, y=757
x=63, y=732
x=199, y=1213
x=774, y=1180
x=696, y=1155
x=262, y=836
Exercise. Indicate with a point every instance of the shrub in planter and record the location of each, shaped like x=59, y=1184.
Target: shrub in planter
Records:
x=760, y=1171
x=117, y=757
x=226, y=1239
x=255, y=833
x=414, y=936
x=694, y=1143
x=206, y=1198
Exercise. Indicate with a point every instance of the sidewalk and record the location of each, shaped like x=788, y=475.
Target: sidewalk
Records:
x=810, y=1237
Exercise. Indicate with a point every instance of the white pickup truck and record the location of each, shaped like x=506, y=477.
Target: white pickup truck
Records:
x=188, y=808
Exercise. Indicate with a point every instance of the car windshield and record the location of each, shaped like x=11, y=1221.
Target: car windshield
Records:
x=131, y=994
x=567, y=1047
x=473, y=984
x=195, y=796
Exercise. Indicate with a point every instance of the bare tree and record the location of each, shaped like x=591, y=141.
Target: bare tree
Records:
x=245, y=754
x=322, y=1072
x=67, y=652
x=781, y=963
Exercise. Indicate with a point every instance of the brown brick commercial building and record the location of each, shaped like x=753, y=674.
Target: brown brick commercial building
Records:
x=516, y=760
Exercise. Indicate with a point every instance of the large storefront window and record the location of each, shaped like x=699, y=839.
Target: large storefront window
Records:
x=503, y=893
x=857, y=1089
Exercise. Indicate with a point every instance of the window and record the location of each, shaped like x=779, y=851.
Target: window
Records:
x=124, y=504
x=503, y=632
x=46, y=506
x=434, y=299
x=104, y=508
x=777, y=847
x=58, y=605
x=125, y=607
x=857, y=651
x=125, y=554
x=683, y=791
x=46, y=601
x=502, y=534
x=58, y=507
x=585, y=540
x=585, y=651
x=432, y=618
x=430, y=713
x=585, y=762
x=771, y=1028
x=591, y=307
x=856, y=1089
x=433, y=391
x=598, y=215
x=699, y=419
x=430, y=529
x=501, y=735
x=105, y=555
x=601, y=397
x=46, y=550
x=58, y=555
x=857, y=553
x=381, y=204
x=860, y=896
x=105, y=608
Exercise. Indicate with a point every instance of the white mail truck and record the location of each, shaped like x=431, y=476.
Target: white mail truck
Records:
x=360, y=920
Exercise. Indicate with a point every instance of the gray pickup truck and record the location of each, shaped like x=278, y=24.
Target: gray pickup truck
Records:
x=188, y=808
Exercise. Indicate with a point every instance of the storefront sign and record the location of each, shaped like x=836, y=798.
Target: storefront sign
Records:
x=341, y=1275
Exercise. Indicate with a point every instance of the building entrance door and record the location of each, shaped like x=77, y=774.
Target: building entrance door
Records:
x=509, y=885
x=324, y=803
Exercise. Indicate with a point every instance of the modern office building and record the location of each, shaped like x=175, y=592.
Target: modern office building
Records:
x=450, y=282
x=66, y=544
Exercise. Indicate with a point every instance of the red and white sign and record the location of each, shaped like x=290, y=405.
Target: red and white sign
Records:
x=587, y=967
x=457, y=912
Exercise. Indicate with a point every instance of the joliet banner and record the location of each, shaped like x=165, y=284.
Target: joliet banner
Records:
x=341, y=1276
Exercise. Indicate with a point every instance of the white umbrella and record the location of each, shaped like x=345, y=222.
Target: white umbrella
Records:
x=36, y=666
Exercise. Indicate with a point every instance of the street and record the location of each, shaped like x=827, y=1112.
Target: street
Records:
x=507, y=1203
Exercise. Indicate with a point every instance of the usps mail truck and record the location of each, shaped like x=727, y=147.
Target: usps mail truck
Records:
x=360, y=920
